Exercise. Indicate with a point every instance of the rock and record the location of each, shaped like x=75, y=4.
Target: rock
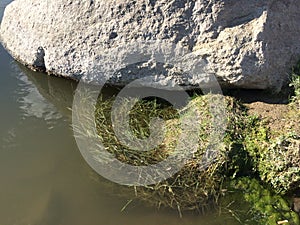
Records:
x=244, y=43
x=296, y=205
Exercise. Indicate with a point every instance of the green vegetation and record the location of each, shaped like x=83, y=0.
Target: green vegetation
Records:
x=192, y=187
x=279, y=165
x=251, y=148
x=275, y=160
x=276, y=150
x=295, y=84
x=256, y=204
x=139, y=119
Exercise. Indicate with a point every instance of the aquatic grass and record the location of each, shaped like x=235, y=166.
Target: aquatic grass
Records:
x=194, y=187
x=189, y=188
x=140, y=118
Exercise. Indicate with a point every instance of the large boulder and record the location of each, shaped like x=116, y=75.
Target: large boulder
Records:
x=244, y=43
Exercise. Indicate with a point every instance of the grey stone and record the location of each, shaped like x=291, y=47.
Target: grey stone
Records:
x=244, y=43
x=296, y=205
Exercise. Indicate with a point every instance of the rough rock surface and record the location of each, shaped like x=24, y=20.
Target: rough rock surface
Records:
x=245, y=43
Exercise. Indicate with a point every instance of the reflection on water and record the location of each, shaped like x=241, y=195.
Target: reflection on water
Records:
x=55, y=91
x=32, y=102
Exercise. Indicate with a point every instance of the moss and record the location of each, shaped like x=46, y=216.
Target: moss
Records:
x=255, y=139
x=260, y=205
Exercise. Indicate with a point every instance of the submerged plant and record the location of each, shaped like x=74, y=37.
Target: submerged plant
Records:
x=260, y=205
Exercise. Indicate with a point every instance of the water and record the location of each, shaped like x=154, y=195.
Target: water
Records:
x=44, y=179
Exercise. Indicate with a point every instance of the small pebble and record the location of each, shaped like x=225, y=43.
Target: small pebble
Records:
x=282, y=222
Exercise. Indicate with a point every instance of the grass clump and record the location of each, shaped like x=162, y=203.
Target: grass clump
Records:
x=279, y=166
x=139, y=119
x=193, y=187
x=200, y=182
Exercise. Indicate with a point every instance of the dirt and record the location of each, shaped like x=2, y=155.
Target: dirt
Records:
x=276, y=115
x=280, y=115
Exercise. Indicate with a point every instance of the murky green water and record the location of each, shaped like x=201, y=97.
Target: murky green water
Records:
x=44, y=179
